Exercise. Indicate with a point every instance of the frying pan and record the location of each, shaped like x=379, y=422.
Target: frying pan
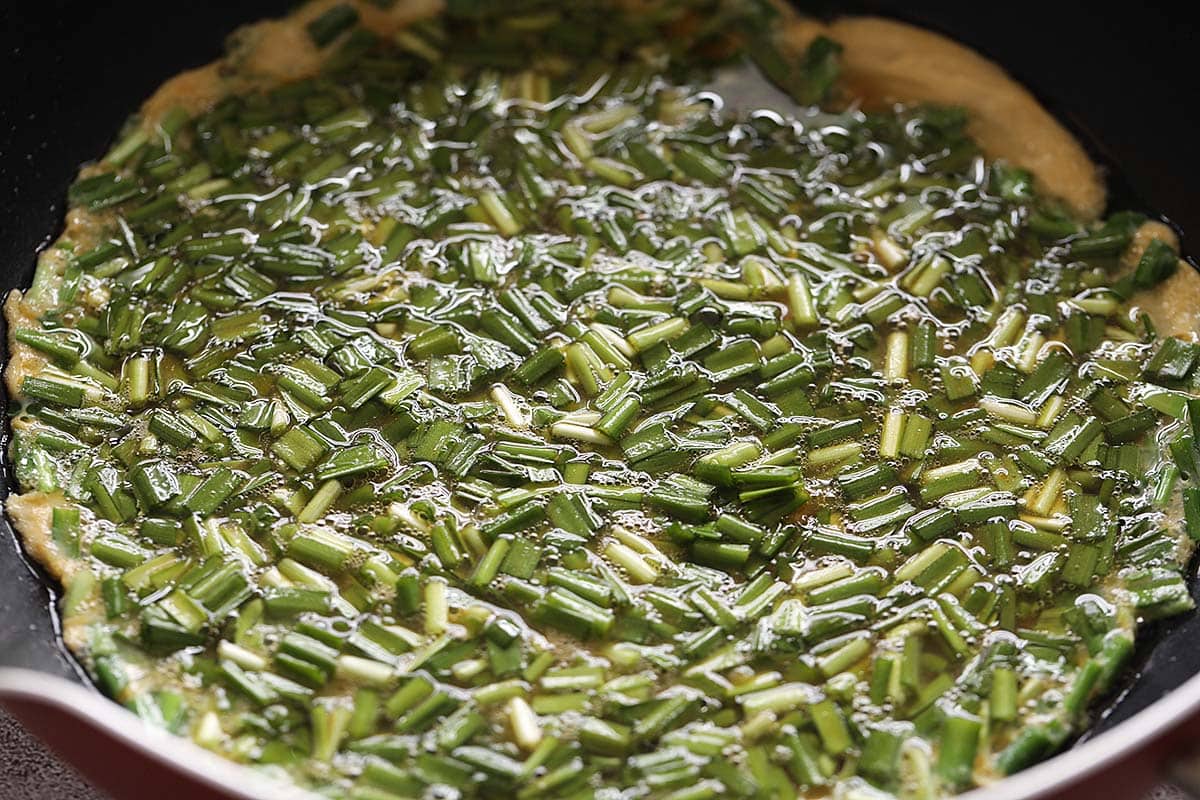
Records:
x=71, y=72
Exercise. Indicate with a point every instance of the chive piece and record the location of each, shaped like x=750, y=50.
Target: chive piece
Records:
x=327, y=27
x=210, y=494
x=959, y=743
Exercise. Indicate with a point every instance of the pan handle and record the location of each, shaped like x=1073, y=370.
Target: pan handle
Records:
x=121, y=753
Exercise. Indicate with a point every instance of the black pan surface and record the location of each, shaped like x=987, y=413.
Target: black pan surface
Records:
x=70, y=72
